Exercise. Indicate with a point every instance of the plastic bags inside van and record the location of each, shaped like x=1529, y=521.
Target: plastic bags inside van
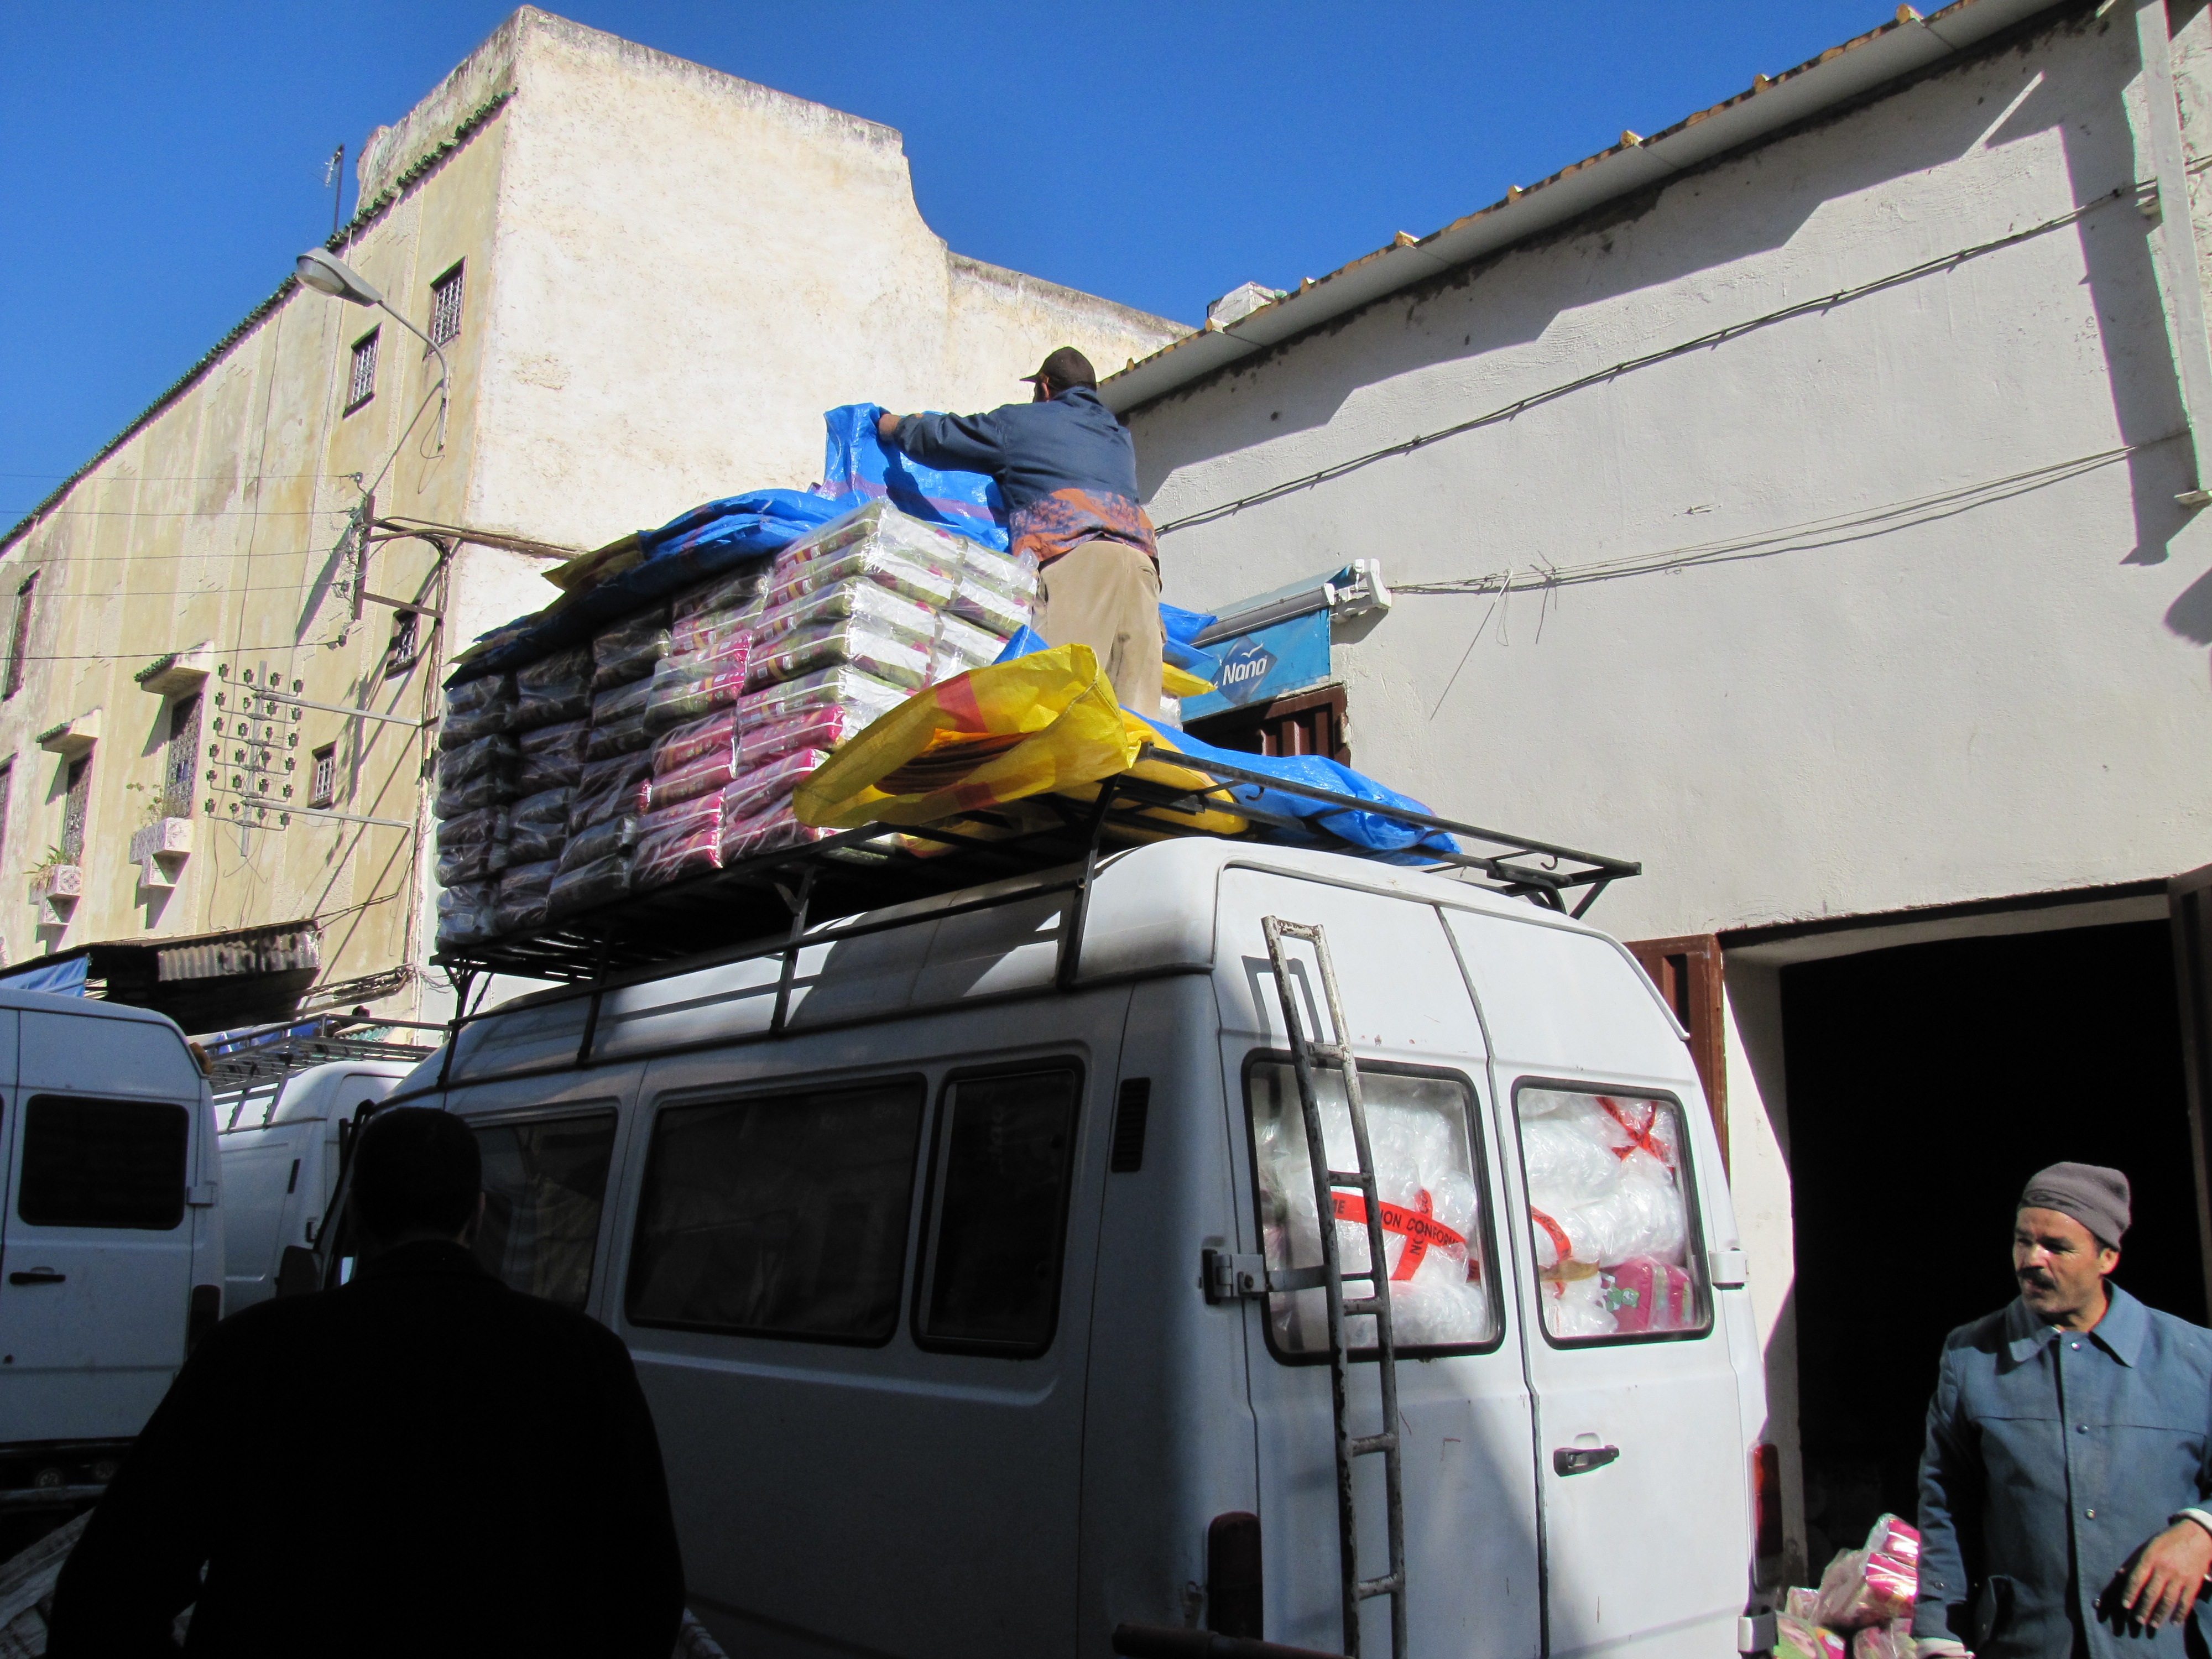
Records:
x=1874, y=1585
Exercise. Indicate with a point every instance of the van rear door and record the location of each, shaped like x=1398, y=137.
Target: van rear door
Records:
x=1464, y=1408
x=96, y=1253
x=1618, y=1191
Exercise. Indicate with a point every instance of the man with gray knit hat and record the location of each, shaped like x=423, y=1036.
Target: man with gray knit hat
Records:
x=2066, y=1488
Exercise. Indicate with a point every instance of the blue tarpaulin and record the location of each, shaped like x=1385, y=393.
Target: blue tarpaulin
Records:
x=65, y=979
x=856, y=469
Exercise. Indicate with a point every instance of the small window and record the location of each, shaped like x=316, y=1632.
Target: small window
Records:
x=19, y=639
x=76, y=803
x=181, y=761
x=544, y=1184
x=1611, y=1220
x=361, y=386
x=103, y=1162
x=1443, y=1293
x=446, y=309
x=1006, y=1145
x=406, y=642
x=780, y=1215
x=7, y=790
x=324, y=789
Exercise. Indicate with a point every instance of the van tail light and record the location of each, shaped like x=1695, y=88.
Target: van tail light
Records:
x=205, y=1308
x=1766, y=1497
x=1233, y=1602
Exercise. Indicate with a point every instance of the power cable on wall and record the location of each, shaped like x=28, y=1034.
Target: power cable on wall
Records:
x=1536, y=399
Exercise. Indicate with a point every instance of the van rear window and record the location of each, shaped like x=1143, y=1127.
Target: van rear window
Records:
x=544, y=1184
x=103, y=1162
x=1443, y=1293
x=780, y=1215
x=1611, y=1222
x=998, y=1212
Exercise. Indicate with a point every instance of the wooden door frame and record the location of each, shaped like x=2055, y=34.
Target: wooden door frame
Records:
x=1687, y=970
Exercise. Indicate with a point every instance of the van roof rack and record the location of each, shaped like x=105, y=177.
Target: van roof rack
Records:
x=872, y=868
x=263, y=1055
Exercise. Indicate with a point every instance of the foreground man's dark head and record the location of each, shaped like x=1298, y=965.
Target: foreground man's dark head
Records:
x=417, y=1175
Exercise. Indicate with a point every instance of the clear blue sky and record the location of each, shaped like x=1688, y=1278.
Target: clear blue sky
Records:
x=162, y=163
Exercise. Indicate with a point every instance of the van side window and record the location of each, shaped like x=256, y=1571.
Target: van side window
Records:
x=103, y=1162
x=1612, y=1220
x=780, y=1215
x=1443, y=1293
x=998, y=1207
x=544, y=1184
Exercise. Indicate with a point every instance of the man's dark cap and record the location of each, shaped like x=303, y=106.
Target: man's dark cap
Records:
x=1065, y=367
x=416, y=1167
x=2094, y=1195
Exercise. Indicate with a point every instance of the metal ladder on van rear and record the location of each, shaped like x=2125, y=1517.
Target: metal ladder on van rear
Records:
x=1328, y=1184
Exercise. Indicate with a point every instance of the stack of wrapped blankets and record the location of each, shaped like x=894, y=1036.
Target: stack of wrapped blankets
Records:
x=671, y=743
x=1863, y=1608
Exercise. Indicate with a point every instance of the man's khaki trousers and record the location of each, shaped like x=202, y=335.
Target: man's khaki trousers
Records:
x=1106, y=594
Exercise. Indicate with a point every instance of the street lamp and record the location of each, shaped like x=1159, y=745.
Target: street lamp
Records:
x=326, y=274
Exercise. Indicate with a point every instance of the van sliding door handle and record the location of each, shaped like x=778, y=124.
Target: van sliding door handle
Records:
x=1581, y=1460
x=37, y=1276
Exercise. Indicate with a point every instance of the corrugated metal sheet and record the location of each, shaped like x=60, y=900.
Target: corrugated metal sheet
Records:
x=260, y=950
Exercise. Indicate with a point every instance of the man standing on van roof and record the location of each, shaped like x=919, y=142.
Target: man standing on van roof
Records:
x=1068, y=472
x=2066, y=1489
x=421, y=1462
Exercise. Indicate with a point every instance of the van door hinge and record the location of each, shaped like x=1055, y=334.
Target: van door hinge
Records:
x=1230, y=1277
x=1729, y=1270
x=201, y=1196
x=1756, y=1633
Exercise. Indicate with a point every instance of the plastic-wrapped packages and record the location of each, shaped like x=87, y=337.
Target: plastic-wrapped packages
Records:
x=598, y=775
x=1891, y=1641
x=682, y=817
x=521, y=903
x=604, y=840
x=589, y=885
x=465, y=761
x=931, y=580
x=771, y=831
x=626, y=736
x=729, y=593
x=683, y=690
x=466, y=829
x=1605, y=1191
x=960, y=646
x=891, y=658
x=1014, y=575
x=540, y=826
x=712, y=634
x=465, y=914
x=674, y=854
x=471, y=863
x=883, y=610
x=1874, y=1584
x=754, y=791
x=628, y=650
x=716, y=734
x=552, y=756
x=1799, y=1603
x=622, y=703
x=1796, y=1639
x=554, y=688
x=480, y=709
x=827, y=687
x=1430, y=1219
x=620, y=795
x=988, y=605
x=704, y=774
x=808, y=728
x=472, y=794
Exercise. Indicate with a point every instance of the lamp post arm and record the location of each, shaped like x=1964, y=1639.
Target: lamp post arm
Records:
x=445, y=371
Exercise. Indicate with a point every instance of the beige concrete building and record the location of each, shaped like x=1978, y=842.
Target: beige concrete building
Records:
x=646, y=280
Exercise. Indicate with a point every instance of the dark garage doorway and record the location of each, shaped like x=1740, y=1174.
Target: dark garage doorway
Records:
x=1926, y=1084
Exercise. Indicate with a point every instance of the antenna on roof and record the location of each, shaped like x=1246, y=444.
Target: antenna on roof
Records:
x=334, y=181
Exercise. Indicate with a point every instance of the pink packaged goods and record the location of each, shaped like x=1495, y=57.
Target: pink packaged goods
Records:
x=716, y=734
x=1646, y=1294
x=767, y=832
x=1873, y=1585
x=753, y=792
x=1890, y=1641
x=809, y=728
x=684, y=818
x=706, y=775
x=1796, y=1640
x=673, y=856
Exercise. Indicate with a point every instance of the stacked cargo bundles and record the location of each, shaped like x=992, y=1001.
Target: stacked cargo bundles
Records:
x=856, y=618
x=671, y=743
x=601, y=825
x=477, y=765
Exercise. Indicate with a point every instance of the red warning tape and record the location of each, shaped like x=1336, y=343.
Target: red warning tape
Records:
x=1639, y=1134
x=1418, y=1227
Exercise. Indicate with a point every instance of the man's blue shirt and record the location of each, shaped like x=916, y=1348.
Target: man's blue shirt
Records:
x=1071, y=442
x=2051, y=1457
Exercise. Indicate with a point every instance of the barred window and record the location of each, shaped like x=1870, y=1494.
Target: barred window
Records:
x=183, y=757
x=19, y=641
x=76, y=803
x=362, y=386
x=446, y=309
x=325, y=789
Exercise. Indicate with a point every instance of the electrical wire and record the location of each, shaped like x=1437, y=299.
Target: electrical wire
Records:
x=1598, y=377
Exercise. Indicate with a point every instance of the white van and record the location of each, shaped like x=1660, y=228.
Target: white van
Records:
x=282, y=1142
x=111, y=1241
x=947, y=1273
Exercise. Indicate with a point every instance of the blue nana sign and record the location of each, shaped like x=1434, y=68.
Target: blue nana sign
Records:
x=1268, y=663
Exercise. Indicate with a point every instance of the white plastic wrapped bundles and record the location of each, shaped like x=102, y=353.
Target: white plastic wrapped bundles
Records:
x=960, y=646
x=994, y=592
x=930, y=578
x=895, y=658
x=1441, y=1292
x=1608, y=1219
x=827, y=687
x=855, y=597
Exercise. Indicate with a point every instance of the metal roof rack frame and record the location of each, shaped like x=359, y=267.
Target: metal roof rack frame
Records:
x=266, y=1054
x=771, y=901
